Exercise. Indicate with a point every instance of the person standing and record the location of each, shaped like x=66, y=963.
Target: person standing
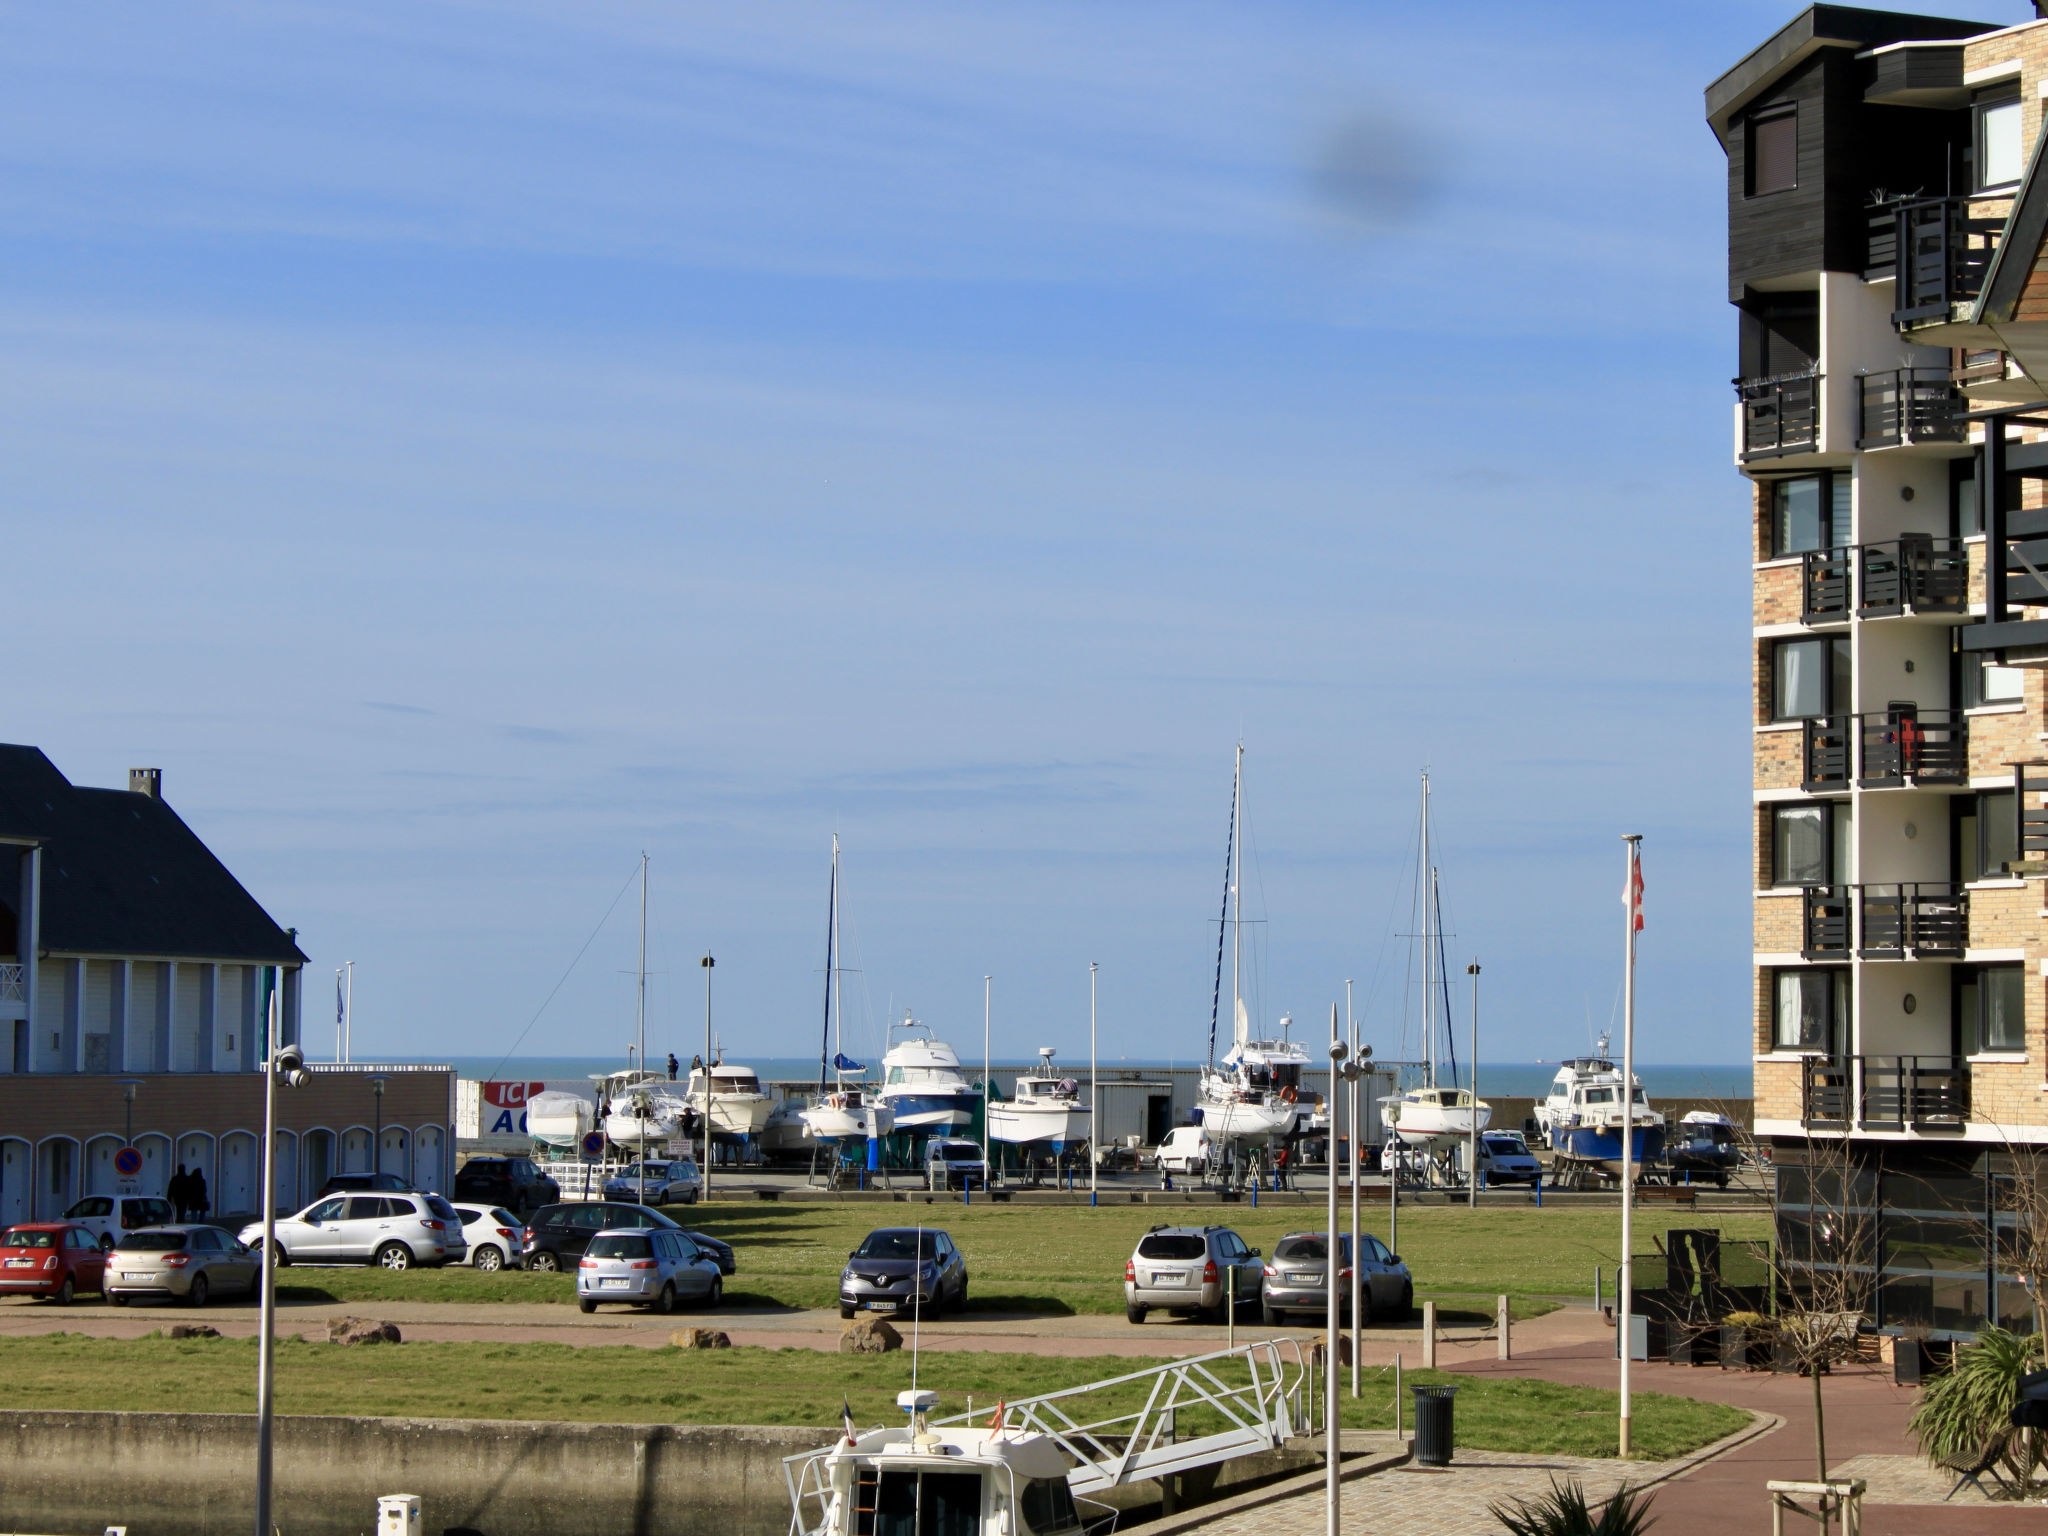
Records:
x=196, y=1193
x=672, y=1064
x=176, y=1189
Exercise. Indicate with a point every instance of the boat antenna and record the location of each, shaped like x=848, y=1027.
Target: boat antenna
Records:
x=1223, y=918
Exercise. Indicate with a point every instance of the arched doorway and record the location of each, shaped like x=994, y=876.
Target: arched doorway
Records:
x=155, y=1177
x=100, y=1178
x=426, y=1159
x=194, y=1154
x=287, y=1172
x=316, y=1154
x=56, y=1177
x=238, y=1192
x=355, y=1150
x=14, y=1181
x=394, y=1153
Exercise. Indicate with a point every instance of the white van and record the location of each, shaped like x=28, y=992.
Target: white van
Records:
x=1185, y=1150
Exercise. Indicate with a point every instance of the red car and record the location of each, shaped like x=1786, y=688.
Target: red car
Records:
x=57, y=1259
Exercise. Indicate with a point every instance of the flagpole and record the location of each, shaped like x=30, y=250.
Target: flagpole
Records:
x=1632, y=897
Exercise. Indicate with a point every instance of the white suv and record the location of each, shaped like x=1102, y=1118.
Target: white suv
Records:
x=396, y=1231
x=109, y=1218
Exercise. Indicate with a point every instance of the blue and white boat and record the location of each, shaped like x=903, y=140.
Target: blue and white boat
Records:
x=1583, y=1115
x=923, y=1088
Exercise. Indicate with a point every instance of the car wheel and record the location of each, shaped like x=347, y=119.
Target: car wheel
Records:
x=1134, y=1313
x=395, y=1256
x=107, y=1238
x=716, y=1295
x=1364, y=1319
x=543, y=1263
x=196, y=1297
x=665, y=1303
x=280, y=1256
x=586, y=1303
x=1272, y=1317
x=65, y=1292
x=960, y=1298
x=695, y=1196
x=115, y=1300
x=1407, y=1308
x=490, y=1257
x=848, y=1313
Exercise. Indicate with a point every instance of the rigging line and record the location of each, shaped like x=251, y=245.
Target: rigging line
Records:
x=1379, y=964
x=543, y=1008
x=1222, y=924
x=1443, y=975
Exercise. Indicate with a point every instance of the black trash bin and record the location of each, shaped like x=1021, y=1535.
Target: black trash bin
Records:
x=1433, y=1425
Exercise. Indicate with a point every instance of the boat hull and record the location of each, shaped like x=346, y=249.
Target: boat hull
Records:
x=931, y=1111
x=740, y=1114
x=1601, y=1144
x=638, y=1129
x=1238, y=1121
x=1440, y=1128
x=832, y=1123
x=1054, y=1127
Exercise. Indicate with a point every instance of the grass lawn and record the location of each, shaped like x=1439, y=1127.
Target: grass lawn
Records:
x=1070, y=1259
x=622, y=1384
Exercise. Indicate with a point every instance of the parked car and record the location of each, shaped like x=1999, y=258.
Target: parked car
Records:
x=350, y=1183
x=193, y=1263
x=517, y=1183
x=1198, y=1271
x=496, y=1238
x=652, y=1267
x=109, y=1218
x=897, y=1268
x=1294, y=1279
x=395, y=1231
x=557, y=1235
x=1504, y=1158
x=1185, y=1151
x=953, y=1162
x=718, y=1248
x=52, y=1259
x=663, y=1182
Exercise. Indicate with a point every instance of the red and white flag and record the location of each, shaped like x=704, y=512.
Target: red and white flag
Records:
x=1632, y=896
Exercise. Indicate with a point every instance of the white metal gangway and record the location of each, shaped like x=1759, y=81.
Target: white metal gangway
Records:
x=1261, y=1413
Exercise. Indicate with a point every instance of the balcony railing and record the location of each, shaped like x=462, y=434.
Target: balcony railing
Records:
x=1780, y=414
x=1886, y=1093
x=13, y=988
x=1915, y=574
x=1938, y=249
x=1825, y=921
x=1927, y=918
x=1909, y=405
x=1885, y=749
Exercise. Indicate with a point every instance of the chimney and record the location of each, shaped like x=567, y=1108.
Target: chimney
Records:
x=146, y=781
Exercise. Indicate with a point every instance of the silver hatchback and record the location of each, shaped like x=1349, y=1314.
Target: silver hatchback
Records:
x=652, y=1267
x=1296, y=1277
x=192, y=1264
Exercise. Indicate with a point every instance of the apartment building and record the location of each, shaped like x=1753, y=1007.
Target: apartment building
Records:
x=136, y=975
x=1887, y=203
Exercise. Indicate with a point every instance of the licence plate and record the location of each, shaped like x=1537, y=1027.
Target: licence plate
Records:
x=612, y=1282
x=131, y=1274
x=1304, y=1277
x=21, y=1263
x=882, y=1306
x=1169, y=1277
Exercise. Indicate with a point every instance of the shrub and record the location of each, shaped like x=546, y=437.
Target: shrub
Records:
x=1564, y=1512
x=1959, y=1409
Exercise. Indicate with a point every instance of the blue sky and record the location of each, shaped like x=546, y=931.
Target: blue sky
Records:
x=464, y=446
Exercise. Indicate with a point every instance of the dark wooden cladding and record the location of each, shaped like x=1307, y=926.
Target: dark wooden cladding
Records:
x=1918, y=77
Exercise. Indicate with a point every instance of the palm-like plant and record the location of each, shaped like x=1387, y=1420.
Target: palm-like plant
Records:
x=1960, y=1408
x=1564, y=1512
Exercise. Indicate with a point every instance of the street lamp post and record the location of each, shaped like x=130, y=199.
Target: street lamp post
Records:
x=377, y=1136
x=1472, y=1136
x=707, y=962
x=1331, y=1281
x=286, y=1062
x=128, y=1090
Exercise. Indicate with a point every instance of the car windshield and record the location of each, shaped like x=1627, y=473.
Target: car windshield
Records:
x=962, y=1152
x=1506, y=1144
x=896, y=1244
x=622, y=1245
x=153, y=1242
x=1307, y=1248
x=1171, y=1245
x=21, y=1237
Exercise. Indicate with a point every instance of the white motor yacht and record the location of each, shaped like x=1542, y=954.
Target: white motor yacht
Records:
x=1046, y=1112
x=1582, y=1116
x=1434, y=1117
x=922, y=1085
x=738, y=1106
x=645, y=1108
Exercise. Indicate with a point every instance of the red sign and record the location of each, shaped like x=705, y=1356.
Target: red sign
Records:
x=510, y=1095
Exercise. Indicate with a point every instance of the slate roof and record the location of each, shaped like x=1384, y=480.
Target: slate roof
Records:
x=124, y=875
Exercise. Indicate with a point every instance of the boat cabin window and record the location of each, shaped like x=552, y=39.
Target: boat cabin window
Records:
x=1171, y=1245
x=928, y=1504
x=1287, y=1076
x=1599, y=1096
x=1049, y=1506
x=1560, y=1089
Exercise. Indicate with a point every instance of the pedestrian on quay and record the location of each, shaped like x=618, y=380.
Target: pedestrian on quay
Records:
x=672, y=1066
x=195, y=1194
x=179, y=1189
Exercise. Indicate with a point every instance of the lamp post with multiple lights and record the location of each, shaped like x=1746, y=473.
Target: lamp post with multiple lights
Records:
x=286, y=1063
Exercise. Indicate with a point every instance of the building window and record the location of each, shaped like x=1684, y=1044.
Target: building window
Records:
x=1812, y=1010
x=1979, y=682
x=1997, y=147
x=1991, y=1009
x=1809, y=678
x=1810, y=843
x=1810, y=512
x=1773, y=156
x=1987, y=834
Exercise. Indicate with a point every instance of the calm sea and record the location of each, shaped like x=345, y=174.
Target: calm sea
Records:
x=1507, y=1078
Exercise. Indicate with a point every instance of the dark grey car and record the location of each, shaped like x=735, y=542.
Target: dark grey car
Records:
x=900, y=1269
x=1294, y=1280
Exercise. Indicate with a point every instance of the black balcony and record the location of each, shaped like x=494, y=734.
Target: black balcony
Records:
x=1780, y=414
x=1825, y=752
x=1826, y=1091
x=1909, y=405
x=1915, y=919
x=1913, y=575
x=1825, y=922
x=1908, y=746
x=1921, y=1093
x=1937, y=249
x=1827, y=592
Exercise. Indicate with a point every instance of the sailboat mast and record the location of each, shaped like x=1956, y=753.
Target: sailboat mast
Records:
x=640, y=1004
x=831, y=945
x=1428, y=877
x=1237, y=1029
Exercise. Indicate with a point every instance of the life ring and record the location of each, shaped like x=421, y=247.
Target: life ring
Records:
x=1288, y=1094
